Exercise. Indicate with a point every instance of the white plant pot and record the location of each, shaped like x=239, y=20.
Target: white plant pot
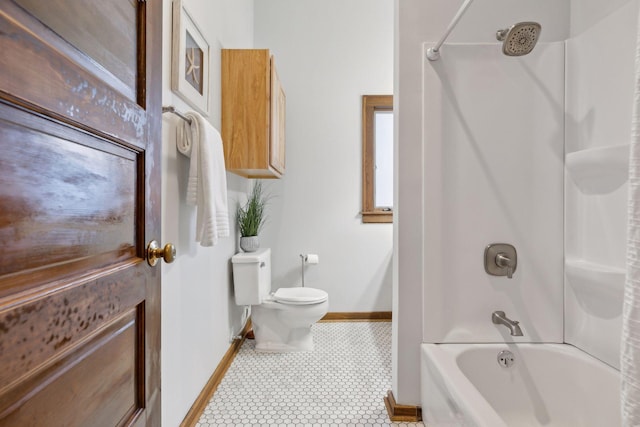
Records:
x=249, y=243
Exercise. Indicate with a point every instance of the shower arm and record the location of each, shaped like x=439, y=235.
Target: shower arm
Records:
x=433, y=53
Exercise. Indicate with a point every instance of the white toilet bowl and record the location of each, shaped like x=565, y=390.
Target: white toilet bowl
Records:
x=285, y=325
x=282, y=319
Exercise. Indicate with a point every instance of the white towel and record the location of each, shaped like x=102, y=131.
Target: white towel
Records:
x=207, y=186
x=630, y=345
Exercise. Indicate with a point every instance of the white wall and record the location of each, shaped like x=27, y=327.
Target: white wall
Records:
x=600, y=79
x=326, y=61
x=198, y=312
x=408, y=201
x=328, y=53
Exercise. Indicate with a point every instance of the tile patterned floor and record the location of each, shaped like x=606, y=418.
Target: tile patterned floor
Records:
x=340, y=383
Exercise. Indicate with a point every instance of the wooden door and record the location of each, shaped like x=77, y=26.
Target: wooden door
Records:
x=79, y=198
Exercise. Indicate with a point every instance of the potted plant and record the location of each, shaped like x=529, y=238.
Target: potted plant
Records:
x=251, y=217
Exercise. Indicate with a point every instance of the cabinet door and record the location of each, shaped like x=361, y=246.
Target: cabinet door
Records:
x=278, y=115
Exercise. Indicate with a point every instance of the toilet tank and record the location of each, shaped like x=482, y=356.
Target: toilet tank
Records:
x=251, y=276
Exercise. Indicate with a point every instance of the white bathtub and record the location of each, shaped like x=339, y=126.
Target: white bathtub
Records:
x=548, y=385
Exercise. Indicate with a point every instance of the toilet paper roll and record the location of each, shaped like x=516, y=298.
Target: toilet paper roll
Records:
x=312, y=259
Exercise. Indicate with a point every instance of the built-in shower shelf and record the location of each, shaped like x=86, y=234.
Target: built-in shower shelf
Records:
x=599, y=170
x=594, y=277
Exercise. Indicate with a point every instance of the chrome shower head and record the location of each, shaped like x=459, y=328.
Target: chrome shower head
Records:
x=520, y=39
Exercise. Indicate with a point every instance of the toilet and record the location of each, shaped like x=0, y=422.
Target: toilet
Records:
x=282, y=319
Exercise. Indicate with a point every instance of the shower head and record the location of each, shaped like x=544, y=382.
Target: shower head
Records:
x=520, y=38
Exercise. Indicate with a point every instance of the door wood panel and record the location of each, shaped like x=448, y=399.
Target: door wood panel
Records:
x=80, y=125
x=110, y=395
x=75, y=187
x=47, y=74
x=37, y=332
x=112, y=42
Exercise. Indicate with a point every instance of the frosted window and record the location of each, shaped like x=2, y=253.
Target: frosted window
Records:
x=383, y=139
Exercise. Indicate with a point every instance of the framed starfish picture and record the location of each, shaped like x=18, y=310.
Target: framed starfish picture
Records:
x=189, y=60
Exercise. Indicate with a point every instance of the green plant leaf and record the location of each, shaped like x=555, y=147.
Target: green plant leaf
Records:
x=251, y=217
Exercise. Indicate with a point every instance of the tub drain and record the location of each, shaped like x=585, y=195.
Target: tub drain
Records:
x=506, y=359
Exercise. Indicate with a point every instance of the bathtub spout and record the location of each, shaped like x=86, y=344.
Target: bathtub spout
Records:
x=499, y=318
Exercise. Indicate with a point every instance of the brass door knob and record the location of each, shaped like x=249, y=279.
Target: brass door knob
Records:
x=155, y=252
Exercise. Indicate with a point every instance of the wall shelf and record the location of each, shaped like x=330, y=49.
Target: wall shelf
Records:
x=599, y=170
x=595, y=278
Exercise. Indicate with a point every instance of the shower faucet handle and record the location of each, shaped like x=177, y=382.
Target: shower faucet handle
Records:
x=500, y=259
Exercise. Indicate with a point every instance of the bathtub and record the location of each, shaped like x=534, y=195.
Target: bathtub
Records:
x=548, y=385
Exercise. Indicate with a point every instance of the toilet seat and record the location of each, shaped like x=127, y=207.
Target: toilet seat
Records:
x=299, y=296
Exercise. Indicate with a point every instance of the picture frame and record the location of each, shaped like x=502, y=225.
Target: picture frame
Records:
x=190, y=60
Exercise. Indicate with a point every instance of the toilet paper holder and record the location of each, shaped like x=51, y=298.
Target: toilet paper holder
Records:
x=309, y=259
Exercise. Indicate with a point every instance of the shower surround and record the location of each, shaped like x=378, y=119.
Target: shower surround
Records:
x=598, y=133
x=494, y=131
x=529, y=151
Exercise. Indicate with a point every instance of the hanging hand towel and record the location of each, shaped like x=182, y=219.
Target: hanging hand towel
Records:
x=630, y=346
x=207, y=185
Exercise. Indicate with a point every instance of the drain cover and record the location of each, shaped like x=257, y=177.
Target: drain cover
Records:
x=506, y=359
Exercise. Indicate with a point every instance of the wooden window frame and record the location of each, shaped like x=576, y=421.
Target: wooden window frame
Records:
x=371, y=104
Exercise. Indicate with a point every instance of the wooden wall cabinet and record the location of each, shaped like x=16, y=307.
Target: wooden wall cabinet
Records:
x=253, y=114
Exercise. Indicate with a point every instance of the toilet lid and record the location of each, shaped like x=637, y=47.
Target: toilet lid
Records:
x=300, y=295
